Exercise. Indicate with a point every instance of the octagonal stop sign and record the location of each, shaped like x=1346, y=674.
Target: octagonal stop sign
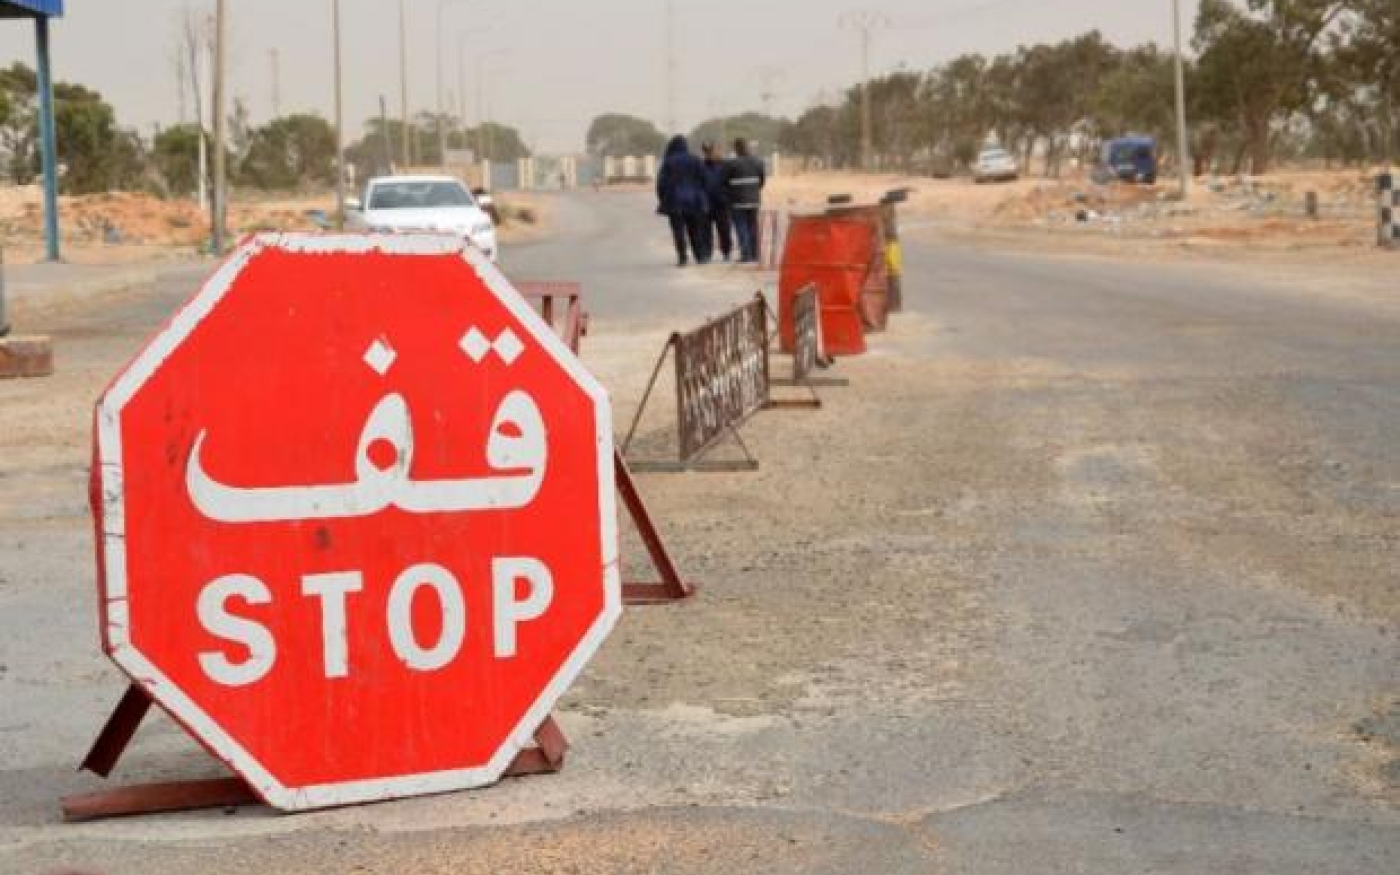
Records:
x=355, y=511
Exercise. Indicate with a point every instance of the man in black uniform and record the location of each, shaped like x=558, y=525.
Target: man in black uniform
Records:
x=744, y=179
x=720, y=226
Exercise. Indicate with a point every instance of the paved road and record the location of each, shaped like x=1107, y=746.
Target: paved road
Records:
x=1092, y=569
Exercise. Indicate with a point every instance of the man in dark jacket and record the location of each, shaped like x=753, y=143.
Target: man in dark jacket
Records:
x=744, y=178
x=719, y=200
x=680, y=190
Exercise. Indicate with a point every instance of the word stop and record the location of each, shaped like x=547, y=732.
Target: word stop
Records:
x=334, y=592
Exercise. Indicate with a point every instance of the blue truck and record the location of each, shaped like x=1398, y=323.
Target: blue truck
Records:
x=1130, y=159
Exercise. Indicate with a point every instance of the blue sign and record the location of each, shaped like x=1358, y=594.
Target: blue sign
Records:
x=32, y=7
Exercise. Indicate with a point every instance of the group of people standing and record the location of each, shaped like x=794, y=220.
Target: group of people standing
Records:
x=711, y=200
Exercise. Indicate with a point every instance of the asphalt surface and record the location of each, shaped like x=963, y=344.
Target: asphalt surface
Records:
x=1094, y=568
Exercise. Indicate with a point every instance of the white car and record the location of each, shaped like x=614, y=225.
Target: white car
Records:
x=438, y=204
x=995, y=165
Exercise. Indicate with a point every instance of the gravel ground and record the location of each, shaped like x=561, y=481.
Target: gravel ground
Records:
x=1092, y=568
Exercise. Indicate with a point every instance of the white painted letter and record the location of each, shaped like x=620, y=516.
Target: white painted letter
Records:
x=506, y=611
x=400, y=616
x=332, y=589
x=214, y=616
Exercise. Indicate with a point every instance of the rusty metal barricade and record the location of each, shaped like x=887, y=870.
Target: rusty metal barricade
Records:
x=722, y=379
x=560, y=304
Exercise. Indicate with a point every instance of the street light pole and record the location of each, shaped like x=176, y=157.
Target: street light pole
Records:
x=339, y=122
x=483, y=102
x=462, y=83
x=1182, y=147
x=220, y=128
x=441, y=111
x=405, y=155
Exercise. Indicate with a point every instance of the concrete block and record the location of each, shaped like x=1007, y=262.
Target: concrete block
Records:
x=25, y=356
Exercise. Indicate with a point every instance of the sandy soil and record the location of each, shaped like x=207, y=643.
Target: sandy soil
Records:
x=1221, y=213
x=121, y=227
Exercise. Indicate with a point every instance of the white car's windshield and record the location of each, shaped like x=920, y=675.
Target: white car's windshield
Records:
x=994, y=155
x=418, y=195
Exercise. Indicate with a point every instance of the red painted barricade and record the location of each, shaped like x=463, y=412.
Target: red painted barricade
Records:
x=834, y=253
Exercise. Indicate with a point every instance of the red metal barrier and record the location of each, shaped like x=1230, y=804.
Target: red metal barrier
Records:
x=875, y=294
x=835, y=254
x=549, y=298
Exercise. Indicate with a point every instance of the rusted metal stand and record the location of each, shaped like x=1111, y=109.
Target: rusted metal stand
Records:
x=546, y=757
x=670, y=587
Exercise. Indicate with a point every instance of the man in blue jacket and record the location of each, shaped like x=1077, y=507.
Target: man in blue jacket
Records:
x=680, y=190
x=719, y=201
x=744, y=178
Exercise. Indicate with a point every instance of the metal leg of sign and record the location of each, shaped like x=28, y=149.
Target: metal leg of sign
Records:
x=108, y=748
x=671, y=587
x=546, y=757
x=117, y=733
x=157, y=798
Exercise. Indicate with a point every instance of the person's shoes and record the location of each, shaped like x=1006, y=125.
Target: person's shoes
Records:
x=681, y=262
x=726, y=257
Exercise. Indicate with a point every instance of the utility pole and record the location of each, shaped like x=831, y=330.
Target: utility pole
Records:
x=276, y=58
x=405, y=155
x=441, y=106
x=865, y=22
x=1182, y=146
x=462, y=85
x=671, y=67
x=220, y=127
x=339, y=122
x=384, y=134
x=180, y=78
x=483, y=103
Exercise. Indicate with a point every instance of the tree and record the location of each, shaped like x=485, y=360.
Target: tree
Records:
x=94, y=153
x=753, y=126
x=1367, y=81
x=289, y=152
x=617, y=134
x=20, y=129
x=175, y=157
x=1260, y=63
x=497, y=142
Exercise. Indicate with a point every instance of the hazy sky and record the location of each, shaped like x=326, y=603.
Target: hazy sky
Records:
x=554, y=64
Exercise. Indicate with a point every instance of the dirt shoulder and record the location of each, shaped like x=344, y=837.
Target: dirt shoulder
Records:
x=1223, y=217
x=127, y=227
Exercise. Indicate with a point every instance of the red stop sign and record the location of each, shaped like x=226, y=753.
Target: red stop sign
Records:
x=355, y=518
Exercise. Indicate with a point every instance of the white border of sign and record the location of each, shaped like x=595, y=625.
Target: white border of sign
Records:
x=113, y=527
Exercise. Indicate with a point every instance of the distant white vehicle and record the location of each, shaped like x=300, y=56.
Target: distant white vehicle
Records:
x=995, y=165
x=439, y=204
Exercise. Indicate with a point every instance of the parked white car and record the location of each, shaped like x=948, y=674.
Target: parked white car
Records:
x=438, y=204
x=995, y=165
